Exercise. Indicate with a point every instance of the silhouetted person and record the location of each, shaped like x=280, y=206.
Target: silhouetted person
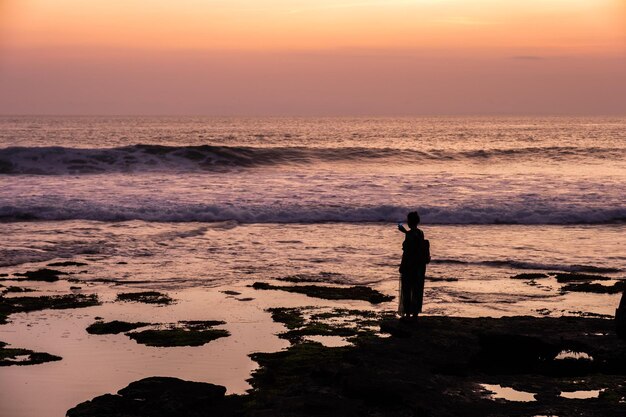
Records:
x=415, y=256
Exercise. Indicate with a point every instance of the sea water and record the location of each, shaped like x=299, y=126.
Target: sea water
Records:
x=195, y=206
x=206, y=201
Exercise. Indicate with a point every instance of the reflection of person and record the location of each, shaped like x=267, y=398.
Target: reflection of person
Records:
x=412, y=268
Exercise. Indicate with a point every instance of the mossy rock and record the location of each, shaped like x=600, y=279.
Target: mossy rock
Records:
x=18, y=356
x=576, y=277
x=184, y=333
x=43, y=274
x=531, y=275
x=322, y=277
x=10, y=305
x=357, y=292
x=160, y=397
x=113, y=327
x=352, y=323
x=148, y=297
x=596, y=288
x=291, y=317
x=15, y=289
x=67, y=263
x=177, y=337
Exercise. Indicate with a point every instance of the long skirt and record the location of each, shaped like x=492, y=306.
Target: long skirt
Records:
x=412, y=291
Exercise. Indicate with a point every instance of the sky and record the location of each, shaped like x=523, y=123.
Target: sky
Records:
x=313, y=57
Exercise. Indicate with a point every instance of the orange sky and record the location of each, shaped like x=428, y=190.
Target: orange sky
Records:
x=568, y=25
x=478, y=36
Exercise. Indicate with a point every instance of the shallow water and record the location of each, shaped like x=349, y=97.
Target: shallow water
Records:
x=498, y=392
x=470, y=274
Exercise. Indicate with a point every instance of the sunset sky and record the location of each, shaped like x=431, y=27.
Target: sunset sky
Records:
x=312, y=57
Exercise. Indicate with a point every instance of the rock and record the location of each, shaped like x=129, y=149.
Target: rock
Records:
x=44, y=274
x=530, y=276
x=148, y=297
x=25, y=304
x=395, y=328
x=357, y=292
x=113, y=327
x=18, y=289
x=514, y=352
x=230, y=292
x=156, y=397
x=575, y=277
x=185, y=333
x=618, y=287
x=68, y=263
x=292, y=318
x=17, y=356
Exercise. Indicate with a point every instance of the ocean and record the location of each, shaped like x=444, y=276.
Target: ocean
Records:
x=180, y=202
x=201, y=208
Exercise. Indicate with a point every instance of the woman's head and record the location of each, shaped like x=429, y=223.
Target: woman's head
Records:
x=413, y=219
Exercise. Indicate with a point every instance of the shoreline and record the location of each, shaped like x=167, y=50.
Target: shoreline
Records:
x=268, y=318
x=439, y=366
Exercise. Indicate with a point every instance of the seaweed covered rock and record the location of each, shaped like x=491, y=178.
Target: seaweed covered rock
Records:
x=436, y=371
x=43, y=274
x=113, y=327
x=357, y=292
x=10, y=305
x=184, y=333
x=157, y=397
x=594, y=287
x=18, y=356
x=148, y=297
x=67, y=263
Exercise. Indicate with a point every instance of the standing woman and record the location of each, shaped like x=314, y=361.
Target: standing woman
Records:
x=415, y=256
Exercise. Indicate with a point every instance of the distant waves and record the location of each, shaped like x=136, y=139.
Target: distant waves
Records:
x=155, y=210
x=157, y=158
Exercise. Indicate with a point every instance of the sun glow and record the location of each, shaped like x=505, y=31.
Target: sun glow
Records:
x=305, y=24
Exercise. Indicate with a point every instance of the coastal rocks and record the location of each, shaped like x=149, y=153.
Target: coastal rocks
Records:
x=576, y=282
x=357, y=292
x=14, y=289
x=157, y=397
x=308, y=321
x=436, y=371
x=43, y=274
x=575, y=277
x=17, y=356
x=113, y=327
x=616, y=288
x=322, y=277
x=67, y=263
x=148, y=297
x=184, y=333
x=530, y=276
x=10, y=305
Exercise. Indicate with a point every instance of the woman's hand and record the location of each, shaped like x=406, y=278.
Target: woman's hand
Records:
x=401, y=228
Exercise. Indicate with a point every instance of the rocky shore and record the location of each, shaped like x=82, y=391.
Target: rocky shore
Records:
x=436, y=366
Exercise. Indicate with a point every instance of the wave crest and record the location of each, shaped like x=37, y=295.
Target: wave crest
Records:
x=157, y=158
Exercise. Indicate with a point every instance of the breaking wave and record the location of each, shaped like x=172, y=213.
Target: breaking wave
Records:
x=156, y=158
x=533, y=266
x=166, y=211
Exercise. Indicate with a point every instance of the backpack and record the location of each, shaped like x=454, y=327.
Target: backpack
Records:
x=423, y=252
